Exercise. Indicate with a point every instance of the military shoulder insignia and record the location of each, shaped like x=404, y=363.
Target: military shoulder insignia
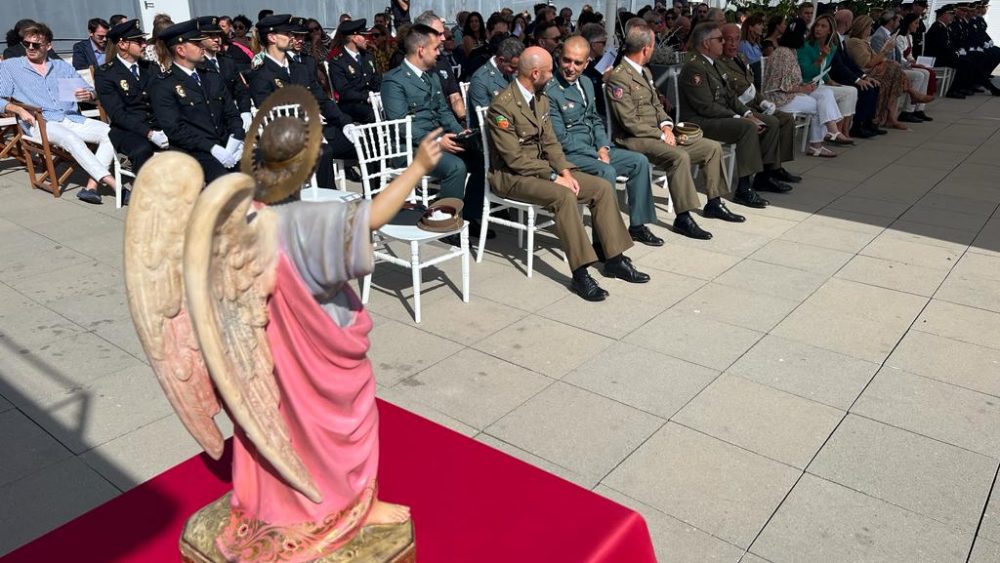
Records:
x=696, y=79
x=279, y=83
x=617, y=92
x=180, y=90
x=124, y=85
x=502, y=122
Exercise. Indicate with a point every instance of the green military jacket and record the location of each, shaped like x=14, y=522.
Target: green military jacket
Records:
x=574, y=117
x=740, y=78
x=705, y=92
x=485, y=83
x=633, y=103
x=404, y=93
x=523, y=142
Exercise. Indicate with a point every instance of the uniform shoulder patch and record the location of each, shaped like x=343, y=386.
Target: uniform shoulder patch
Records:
x=696, y=79
x=617, y=92
x=502, y=121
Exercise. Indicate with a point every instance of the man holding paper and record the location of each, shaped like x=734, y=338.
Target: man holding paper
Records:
x=33, y=80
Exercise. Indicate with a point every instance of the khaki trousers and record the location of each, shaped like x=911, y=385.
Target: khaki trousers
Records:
x=595, y=193
x=677, y=161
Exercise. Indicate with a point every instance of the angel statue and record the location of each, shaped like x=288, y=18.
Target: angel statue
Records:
x=240, y=295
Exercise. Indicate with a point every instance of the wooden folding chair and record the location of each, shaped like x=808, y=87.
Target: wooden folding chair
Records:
x=10, y=138
x=46, y=155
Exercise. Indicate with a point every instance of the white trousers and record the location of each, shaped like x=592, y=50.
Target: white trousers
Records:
x=847, y=99
x=73, y=137
x=919, y=79
x=821, y=107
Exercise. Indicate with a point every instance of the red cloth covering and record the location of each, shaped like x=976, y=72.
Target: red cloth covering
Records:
x=469, y=503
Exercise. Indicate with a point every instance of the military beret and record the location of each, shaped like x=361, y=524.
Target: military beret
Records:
x=209, y=24
x=277, y=23
x=351, y=27
x=184, y=32
x=125, y=30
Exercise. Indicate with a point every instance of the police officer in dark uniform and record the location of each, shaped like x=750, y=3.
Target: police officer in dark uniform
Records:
x=195, y=108
x=122, y=85
x=939, y=44
x=276, y=71
x=352, y=72
x=222, y=64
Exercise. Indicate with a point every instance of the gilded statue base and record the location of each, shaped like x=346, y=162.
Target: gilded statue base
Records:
x=373, y=544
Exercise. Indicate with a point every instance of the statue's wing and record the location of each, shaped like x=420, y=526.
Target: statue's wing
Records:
x=230, y=265
x=164, y=195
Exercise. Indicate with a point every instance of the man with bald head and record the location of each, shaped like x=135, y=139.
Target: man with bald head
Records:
x=527, y=164
x=586, y=143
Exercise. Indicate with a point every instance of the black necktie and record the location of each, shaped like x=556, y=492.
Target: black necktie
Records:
x=531, y=104
x=427, y=80
x=196, y=78
x=215, y=64
x=135, y=71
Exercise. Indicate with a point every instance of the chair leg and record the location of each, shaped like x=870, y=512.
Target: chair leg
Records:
x=531, y=239
x=424, y=197
x=465, y=262
x=118, y=182
x=366, y=289
x=485, y=224
x=520, y=232
x=415, y=269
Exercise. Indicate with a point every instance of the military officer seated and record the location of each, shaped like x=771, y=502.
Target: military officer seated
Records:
x=707, y=100
x=275, y=35
x=641, y=125
x=414, y=89
x=528, y=164
x=222, y=64
x=352, y=72
x=585, y=140
x=494, y=76
x=122, y=86
x=194, y=108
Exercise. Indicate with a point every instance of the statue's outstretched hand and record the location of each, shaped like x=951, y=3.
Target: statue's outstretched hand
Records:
x=429, y=151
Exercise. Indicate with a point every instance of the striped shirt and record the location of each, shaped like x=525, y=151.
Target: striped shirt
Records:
x=20, y=80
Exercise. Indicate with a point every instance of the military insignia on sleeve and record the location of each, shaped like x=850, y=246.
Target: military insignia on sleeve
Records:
x=696, y=80
x=350, y=69
x=617, y=92
x=124, y=85
x=571, y=105
x=502, y=122
x=180, y=90
x=279, y=83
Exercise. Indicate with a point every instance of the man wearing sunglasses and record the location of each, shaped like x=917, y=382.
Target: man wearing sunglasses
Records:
x=90, y=52
x=123, y=88
x=37, y=81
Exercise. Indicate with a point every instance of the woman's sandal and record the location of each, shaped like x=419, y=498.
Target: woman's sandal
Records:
x=838, y=138
x=821, y=152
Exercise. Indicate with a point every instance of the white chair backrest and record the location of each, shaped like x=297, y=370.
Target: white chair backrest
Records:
x=375, y=99
x=457, y=69
x=464, y=87
x=485, y=136
x=288, y=110
x=87, y=76
x=386, y=146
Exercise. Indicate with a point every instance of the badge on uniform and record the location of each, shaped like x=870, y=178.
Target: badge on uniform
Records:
x=502, y=122
x=696, y=80
x=279, y=83
x=124, y=85
x=350, y=69
x=617, y=92
x=571, y=105
x=444, y=74
x=180, y=90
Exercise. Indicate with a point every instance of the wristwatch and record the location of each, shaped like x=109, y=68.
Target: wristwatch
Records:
x=553, y=176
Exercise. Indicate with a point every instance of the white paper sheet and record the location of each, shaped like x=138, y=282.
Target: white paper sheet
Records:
x=926, y=61
x=607, y=61
x=68, y=88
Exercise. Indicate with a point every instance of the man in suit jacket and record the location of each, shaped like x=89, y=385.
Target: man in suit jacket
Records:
x=528, y=164
x=494, y=76
x=352, y=72
x=414, y=89
x=195, y=109
x=90, y=52
x=122, y=86
x=586, y=143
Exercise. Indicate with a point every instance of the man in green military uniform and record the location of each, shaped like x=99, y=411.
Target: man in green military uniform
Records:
x=641, y=125
x=585, y=140
x=494, y=76
x=741, y=84
x=527, y=164
x=706, y=99
x=414, y=89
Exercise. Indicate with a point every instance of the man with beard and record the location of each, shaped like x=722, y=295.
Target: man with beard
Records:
x=352, y=72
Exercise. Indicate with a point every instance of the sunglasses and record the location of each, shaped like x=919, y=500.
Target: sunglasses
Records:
x=33, y=45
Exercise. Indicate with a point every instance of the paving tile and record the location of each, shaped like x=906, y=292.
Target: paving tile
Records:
x=766, y=421
x=725, y=240
x=974, y=291
x=584, y=481
x=898, y=250
x=673, y=540
x=546, y=424
x=951, y=361
x=32, y=254
x=823, y=521
x=662, y=290
x=876, y=304
x=465, y=323
x=49, y=498
x=641, y=378
x=613, y=318
x=849, y=221
x=89, y=294
x=737, y=306
x=893, y=275
x=926, y=476
x=945, y=412
x=472, y=387
x=5, y=405
x=694, y=262
x=990, y=526
x=505, y=284
x=751, y=558
x=930, y=235
x=719, y=488
x=975, y=326
x=140, y=455
x=858, y=204
x=533, y=342
x=27, y=447
x=401, y=398
x=787, y=283
x=121, y=333
x=828, y=237
x=794, y=255
x=848, y=334
x=984, y=551
x=807, y=371
x=944, y=218
x=694, y=338
x=400, y=350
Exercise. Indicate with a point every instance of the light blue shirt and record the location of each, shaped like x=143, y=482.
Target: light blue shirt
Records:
x=20, y=80
x=751, y=51
x=98, y=53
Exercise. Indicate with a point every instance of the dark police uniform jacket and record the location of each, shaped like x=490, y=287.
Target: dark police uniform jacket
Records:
x=195, y=118
x=229, y=71
x=125, y=98
x=352, y=79
x=270, y=76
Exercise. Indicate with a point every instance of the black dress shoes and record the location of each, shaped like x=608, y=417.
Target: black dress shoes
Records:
x=770, y=184
x=684, y=225
x=955, y=95
x=644, y=235
x=126, y=196
x=922, y=116
x=89, y=196
x=750, y=198
x=785, y=176
x=859, y=133
x=718, y=210
x=908, y=117
x=587, y=288
x=623, y=269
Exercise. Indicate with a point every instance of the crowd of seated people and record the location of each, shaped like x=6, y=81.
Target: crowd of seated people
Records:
x=191, y=86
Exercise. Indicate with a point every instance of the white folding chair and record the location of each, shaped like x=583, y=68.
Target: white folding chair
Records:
x=375, y=100
x=464, y=87
x=121, y=170
x=379, y=145
x=312, y=191
x=620, y=180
